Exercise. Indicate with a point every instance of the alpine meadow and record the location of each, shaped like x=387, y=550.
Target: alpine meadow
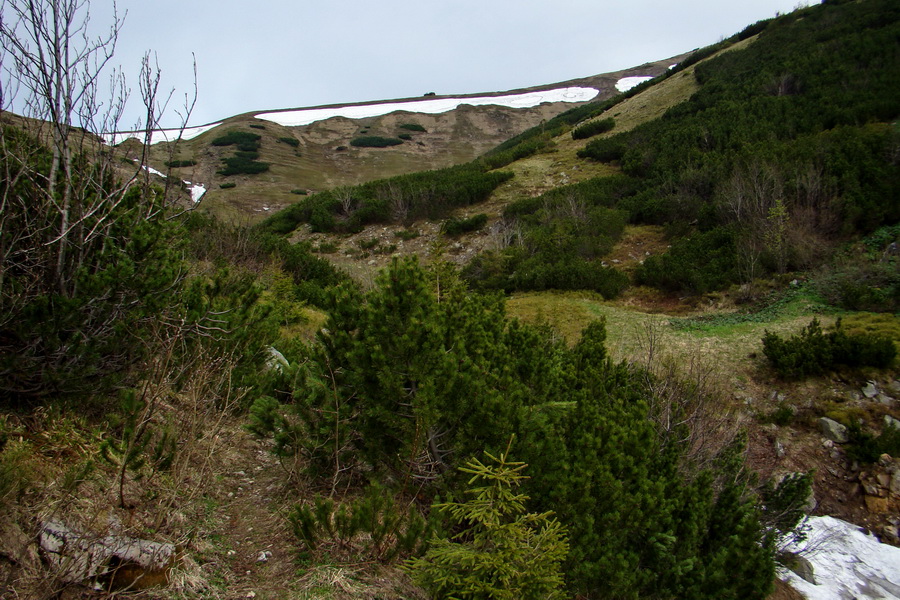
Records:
x=582, y=344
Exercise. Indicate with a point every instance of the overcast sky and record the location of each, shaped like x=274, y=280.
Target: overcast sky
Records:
x=272, y=54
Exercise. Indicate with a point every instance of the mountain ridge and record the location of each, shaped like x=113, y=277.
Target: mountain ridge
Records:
x=323, y=157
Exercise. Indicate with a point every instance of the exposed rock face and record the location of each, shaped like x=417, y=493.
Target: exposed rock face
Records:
x=833, y=430
x=121, y=562
x=881, y=486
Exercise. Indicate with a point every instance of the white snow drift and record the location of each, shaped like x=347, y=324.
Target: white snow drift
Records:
x=626, y=83
x=305, y=116
x=847, y=563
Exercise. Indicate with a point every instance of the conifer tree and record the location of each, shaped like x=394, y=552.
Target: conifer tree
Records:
x=502, y=552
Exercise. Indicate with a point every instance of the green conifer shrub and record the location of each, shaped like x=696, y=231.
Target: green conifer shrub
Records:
x=374, y=141
x=455, y=226
x=500, y=551
x=641, y=521
x=372, y=527
x=814, y=352
x=593, y=128
x=177, y=164
x=244, y=140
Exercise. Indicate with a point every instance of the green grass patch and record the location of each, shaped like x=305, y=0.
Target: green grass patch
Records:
x=792, y=303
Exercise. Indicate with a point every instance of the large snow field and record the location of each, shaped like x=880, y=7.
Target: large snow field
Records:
x=305, y=116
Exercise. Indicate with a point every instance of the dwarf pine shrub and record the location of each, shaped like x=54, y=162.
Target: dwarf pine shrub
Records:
x=814, y=352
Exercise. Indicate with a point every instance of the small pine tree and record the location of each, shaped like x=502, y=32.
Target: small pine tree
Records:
x=139, y=444
x=503, y=553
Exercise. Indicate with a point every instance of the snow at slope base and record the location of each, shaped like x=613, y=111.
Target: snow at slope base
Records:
x=848, y=564
x=197, y=189
x=305, y=116
x=626, y=83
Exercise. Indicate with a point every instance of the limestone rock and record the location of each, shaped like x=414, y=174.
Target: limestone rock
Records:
x=276, y=360
x=799, y=565
x=121, y=562
x=833, y=430
x=870, y=391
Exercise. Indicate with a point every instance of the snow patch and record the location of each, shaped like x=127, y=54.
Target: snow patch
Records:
x=848, y=564
x=159, y=135
x=626, y=83
x=305, y=116
x=197, y=190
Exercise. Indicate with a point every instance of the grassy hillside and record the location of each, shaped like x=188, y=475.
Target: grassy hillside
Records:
x=625, y=329
x=322, y=155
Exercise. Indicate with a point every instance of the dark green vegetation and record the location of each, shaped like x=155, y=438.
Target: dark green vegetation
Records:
x=521, y=560
x=244, y=160
x=454, y=226
x=404, y=385
x=788, y=146
x=556, y=241
x=404, y=423
x=815, y=352
x=429, y=194
x=290, y=141
x=593, y=128
x=412, y=127
x=80, y=316
x=374, y=141
x=175, y=164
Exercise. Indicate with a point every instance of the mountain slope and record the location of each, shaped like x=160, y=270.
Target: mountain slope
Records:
x=321, y=156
